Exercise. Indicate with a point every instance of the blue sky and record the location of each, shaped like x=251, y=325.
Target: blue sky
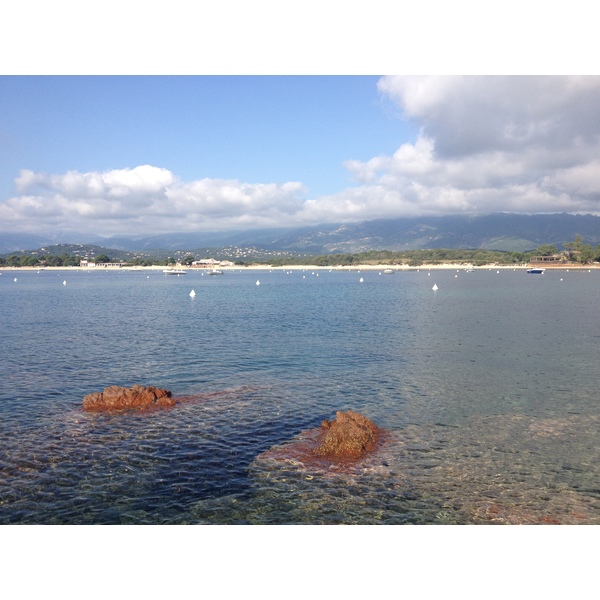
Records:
x=256, y=129
x=120, y=155
x=125, y=118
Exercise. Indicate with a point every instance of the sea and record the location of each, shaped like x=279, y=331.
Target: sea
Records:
x=486, y=388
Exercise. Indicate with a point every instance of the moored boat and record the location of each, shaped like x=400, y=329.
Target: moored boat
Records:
x=536, y=271
x=174, y=272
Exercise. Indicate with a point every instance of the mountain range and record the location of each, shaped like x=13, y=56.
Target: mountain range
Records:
x=500, y=231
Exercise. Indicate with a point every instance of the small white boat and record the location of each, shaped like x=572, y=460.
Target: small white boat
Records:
x=174, y=272
x=536, y=271
x=388, y=272
x=215, y=272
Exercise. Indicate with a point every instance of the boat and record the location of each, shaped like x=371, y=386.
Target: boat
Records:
x=215, y=272
x=388, y=271
x=536, y=271
x=174, y=272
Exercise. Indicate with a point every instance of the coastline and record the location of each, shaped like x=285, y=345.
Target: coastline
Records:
x=361, y=267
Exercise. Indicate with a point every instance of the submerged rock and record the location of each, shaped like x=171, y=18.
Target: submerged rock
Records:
x=349, y=444
x=115, y=397
x=349, y=435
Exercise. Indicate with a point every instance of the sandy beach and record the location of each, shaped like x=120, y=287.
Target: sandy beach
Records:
x=364, y=267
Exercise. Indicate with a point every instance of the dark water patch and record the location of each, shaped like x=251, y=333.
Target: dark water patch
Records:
x=153, y=463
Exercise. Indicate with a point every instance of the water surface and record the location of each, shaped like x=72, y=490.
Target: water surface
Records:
x=487, y=387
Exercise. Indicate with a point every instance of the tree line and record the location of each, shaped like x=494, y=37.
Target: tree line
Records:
x=575, y=251
x=26, y=260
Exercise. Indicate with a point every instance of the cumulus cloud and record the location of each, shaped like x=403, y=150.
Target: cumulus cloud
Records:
x=146, y=199
x=473, y=115
x=485, y=144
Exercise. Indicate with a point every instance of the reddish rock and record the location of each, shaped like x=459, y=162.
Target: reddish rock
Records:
x=350, y=435
x=336, y=446
x=115, y=397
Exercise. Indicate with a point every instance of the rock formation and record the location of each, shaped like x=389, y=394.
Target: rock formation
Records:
x=115, y=397
x=350, y=435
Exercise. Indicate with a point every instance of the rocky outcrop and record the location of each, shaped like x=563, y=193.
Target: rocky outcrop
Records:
x=115, y=397
x=336, y=446
x=349, y=435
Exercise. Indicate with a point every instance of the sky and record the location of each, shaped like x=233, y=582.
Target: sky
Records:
x=131, y=155
x=129, y=118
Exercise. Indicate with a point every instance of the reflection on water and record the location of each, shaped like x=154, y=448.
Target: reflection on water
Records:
x=487, y=389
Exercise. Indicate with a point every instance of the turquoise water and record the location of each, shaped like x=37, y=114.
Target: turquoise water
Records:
x=487, y=389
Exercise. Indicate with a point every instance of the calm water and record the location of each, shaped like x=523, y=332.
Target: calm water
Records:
x=487, y=387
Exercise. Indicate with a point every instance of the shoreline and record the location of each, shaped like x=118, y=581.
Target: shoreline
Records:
x=362, y=267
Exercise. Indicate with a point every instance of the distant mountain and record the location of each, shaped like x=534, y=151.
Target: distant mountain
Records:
x=501, y=231
x=15, y=242
x=191, y=241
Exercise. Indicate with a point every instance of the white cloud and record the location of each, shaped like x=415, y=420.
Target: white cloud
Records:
x=467, y=115
x=146, y=199
x=486, y=144
x=523, y=144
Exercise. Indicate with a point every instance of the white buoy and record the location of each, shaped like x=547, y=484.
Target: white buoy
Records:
x=15, y=279
x=435, y=287
x=361, y=279
x=257, y=282
x=64, y=283
x=192, y=294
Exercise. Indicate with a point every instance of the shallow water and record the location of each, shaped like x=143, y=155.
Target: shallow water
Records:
x=487, y=389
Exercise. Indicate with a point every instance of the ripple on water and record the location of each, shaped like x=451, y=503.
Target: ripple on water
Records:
x=478, y=431
x=493, y=470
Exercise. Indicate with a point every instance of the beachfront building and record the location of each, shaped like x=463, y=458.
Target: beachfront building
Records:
x=90, y=264
x=211, y=263
x=553, y=259
x=205, y=263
